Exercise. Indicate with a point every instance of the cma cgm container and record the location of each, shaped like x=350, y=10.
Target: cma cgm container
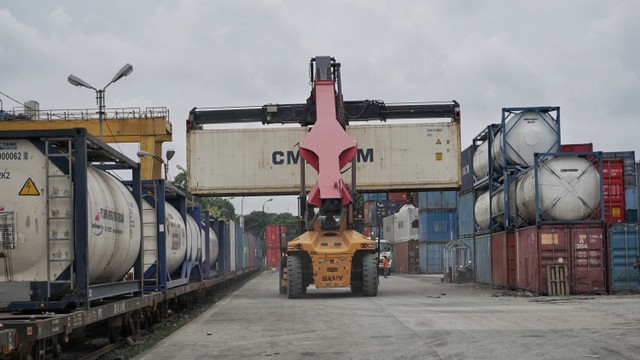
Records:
x=624, y=248
x=465, y=214
x=503, y=259
x=579, y=247
x=483, y=258
x=438, y=226
x=406, y=258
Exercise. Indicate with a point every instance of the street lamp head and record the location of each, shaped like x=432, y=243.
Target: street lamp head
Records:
x=76, y=81
x=125, y=71
x=141, y=153
x=181, y=168
x=170, y=153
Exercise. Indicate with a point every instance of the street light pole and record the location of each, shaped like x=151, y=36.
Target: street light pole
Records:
x=141, y=153
x=76, y=81
x=264, y=218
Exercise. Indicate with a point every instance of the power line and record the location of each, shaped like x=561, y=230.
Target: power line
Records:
x=12, y=98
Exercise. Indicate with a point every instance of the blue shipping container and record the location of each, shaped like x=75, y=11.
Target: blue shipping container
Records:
x=422, y=261
x=438, y=226
x=422, y=200
x=630, y=199
x=466, y=160
x=225, y=250
x=440, y=200
x=434, y=258
x=375, y=197
x=469, y=243
x=624, y=247
x=465, y=214
x=483, y=258
x=631, y=216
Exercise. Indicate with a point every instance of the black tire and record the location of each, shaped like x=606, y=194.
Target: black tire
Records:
x=356, y=288
x=283, y=270
x=369, y=275
x=294, y=277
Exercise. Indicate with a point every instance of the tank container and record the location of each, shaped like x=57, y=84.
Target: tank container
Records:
x=481, y=161
x=527, y=133
x=113, y=221
x=194, y=242
x=568, y=190
x=481, y=211
x=176, y=237
x=213, y=247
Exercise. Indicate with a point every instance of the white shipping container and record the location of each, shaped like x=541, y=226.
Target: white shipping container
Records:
x=266, y=160
x=406, y=224
x=388, y=226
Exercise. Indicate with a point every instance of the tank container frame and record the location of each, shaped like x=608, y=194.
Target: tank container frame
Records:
x=87, y=150
x=191, y=269
x=596, y=159
x=510, y=172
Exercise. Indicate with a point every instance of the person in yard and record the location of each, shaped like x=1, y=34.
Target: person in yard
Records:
x=385, y=265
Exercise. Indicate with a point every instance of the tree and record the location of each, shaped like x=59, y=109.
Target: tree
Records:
x=218, y=207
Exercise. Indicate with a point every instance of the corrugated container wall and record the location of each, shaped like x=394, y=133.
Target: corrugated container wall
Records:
x=435, y=263
x=466, y=161
x=388, y=226
x=245, y=250
x=273, y=258
x=578, y=250
x=629, y=160
x=252, y=250
x=503, y=261
x=483, y=258
x=406, y=224
x=406, y=257
x=438, y=226
x=613, y=190
x=576, y=148
x=465, y=214
x=228, y=248
x=399, y=197
x=239, y=248
x=442, y=200
x=624, y=248
x=375, y=197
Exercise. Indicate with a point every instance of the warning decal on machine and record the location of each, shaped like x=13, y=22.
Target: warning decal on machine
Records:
x=29, y=189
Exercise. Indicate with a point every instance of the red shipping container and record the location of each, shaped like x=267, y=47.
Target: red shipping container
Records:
x=503, y=262
x=273, y=258
x=406, y=258
x=613, y=190
x=580, y=247
x=399, y=197
x=588, y=270
x=275, y=234
x=367, y=231
x=576, y=148
x=538, y=247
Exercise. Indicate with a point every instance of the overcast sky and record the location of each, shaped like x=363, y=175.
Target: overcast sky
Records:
x=581, y=55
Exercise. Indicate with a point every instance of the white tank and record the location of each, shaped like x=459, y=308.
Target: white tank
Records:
x=568, y=188
x=497, y=203
x=176, y=237
x=481, y=211
x=527, y=132
x=194, y=242
x=481, y=160
x=113, y=219
x=213, y=246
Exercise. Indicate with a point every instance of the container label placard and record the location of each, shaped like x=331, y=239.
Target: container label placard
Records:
x=29, y=189
x=549, y=239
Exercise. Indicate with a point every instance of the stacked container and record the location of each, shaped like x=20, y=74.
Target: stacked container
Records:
x=276, y=239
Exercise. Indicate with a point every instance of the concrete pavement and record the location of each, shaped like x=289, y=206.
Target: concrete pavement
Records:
x=413, y=317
